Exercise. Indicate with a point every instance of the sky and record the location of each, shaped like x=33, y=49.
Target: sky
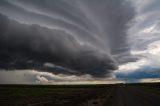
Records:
x=79, y=41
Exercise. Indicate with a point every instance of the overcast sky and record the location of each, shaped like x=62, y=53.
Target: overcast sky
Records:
x=74, y=41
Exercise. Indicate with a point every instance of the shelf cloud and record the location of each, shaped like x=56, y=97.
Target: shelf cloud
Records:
x=73, y=37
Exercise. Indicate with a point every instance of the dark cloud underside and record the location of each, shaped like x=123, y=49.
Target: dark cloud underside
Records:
x=76, y=37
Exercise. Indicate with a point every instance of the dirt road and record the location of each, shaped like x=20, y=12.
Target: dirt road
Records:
x=123, y=95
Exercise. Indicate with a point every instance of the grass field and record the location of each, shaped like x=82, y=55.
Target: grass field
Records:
x=54, y=95
x=60, y=95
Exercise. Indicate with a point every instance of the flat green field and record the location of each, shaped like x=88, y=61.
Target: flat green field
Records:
x=66, y=95
x=54, y=95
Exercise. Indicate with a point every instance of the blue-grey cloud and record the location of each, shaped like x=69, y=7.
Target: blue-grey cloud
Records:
x=141, y=73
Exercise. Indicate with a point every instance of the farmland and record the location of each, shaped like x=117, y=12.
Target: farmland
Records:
x=80, y=95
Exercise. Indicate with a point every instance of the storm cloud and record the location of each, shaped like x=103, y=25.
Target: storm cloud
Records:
x=65, y=36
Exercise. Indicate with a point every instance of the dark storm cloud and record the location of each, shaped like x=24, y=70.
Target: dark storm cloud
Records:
x=83, y=37
x=20, y=43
